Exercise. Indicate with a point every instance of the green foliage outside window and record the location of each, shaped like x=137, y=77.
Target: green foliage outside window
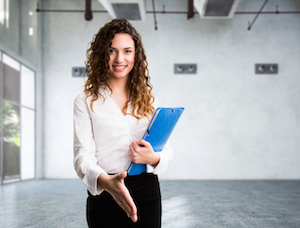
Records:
x=10, y=124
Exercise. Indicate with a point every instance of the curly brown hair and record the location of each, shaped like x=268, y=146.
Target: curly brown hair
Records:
x=138, y=83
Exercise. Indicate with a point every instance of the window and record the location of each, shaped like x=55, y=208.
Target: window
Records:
x=4, y=13
x=17, y=120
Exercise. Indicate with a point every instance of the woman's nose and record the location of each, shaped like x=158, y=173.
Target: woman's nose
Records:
x=119, y=58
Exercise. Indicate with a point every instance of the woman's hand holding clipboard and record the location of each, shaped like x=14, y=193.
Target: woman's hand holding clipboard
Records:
x=157, y=134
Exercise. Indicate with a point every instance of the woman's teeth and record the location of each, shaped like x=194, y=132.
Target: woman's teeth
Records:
x=119, y=67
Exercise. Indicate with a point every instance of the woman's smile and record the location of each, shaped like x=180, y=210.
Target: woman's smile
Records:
x=119, y=67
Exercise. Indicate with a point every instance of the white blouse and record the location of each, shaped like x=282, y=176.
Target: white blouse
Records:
x=102, y=139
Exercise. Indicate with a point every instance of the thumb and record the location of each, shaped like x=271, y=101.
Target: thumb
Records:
x=122, y=175
x=142, y=142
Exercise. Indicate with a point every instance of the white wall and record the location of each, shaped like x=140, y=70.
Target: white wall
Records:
x=237, y=125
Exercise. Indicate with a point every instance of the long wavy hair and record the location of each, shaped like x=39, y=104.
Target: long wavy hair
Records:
x=138, y=82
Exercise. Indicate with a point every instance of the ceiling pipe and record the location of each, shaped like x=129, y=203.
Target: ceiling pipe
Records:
x=159, y=12
x=250, y=25
x=88, y=10
x=155, y=22
x=190, y=13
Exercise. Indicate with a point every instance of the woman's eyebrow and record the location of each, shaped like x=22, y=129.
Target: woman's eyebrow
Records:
x=123, y=48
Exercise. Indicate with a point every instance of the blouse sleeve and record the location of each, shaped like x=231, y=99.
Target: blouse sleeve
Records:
x=166, y=155
x=166, y=158
x=85, y=162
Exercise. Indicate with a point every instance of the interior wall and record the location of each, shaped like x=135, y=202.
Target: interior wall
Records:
x=237, y=125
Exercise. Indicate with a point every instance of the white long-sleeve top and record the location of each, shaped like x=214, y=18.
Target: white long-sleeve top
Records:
x=102, y=139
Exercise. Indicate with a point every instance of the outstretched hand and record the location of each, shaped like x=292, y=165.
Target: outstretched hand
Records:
x=114, y=185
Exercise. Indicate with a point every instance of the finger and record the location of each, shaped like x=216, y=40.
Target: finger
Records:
x=130, y=154
x=134, y=218
x=122, y=205
x=131, y=149
x=121, y=195
x=121, y=175
x=124, y=174
x=135, y=146
x=142, y=142
x=127, y=210
x=125, y=201
x=127, y=204
x=128, y=199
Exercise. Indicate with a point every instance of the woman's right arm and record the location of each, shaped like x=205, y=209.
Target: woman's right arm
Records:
x=85, y=162
x=93, y=176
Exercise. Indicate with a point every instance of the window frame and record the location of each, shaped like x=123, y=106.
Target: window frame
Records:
x=2, y=180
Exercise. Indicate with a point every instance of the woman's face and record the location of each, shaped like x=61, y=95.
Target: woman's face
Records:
x=121, y=55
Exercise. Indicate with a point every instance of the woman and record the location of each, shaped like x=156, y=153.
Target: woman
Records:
x=110, y=118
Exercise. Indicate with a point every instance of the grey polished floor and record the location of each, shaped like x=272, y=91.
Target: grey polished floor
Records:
x=186, y=204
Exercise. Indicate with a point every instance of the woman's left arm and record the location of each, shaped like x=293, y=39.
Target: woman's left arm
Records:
x=156, y=161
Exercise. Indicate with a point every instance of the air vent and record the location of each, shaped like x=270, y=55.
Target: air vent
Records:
x=129, y=11
x=132, y=10
x=216, y=8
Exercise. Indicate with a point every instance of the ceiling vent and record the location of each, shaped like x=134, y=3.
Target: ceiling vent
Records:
x=132, y=10
x=216, y=8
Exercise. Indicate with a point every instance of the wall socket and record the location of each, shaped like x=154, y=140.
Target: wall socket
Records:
x=78, y=72
x=266, y=68
x=185, y=68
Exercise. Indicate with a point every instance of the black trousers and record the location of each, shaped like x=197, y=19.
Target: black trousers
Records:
x=103, y=211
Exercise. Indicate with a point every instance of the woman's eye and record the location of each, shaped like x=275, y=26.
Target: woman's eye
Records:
x=127, y=51
x=111, y=51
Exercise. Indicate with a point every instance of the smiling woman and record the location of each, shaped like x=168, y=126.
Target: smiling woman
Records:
x=98, y=63
x=110, y=119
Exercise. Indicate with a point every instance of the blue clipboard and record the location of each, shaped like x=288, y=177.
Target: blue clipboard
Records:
x=158, y=132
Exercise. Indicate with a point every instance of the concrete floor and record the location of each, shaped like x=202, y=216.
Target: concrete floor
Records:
x=186, y=204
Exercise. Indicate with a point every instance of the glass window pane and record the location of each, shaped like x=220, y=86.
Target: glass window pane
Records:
x=27, y=87
x=2, y=12
x=11, y=79
x=17, y=120
x=27, y=144
x=1, y=139
x=11, y=141
x=11, y=62
x=1, y=83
